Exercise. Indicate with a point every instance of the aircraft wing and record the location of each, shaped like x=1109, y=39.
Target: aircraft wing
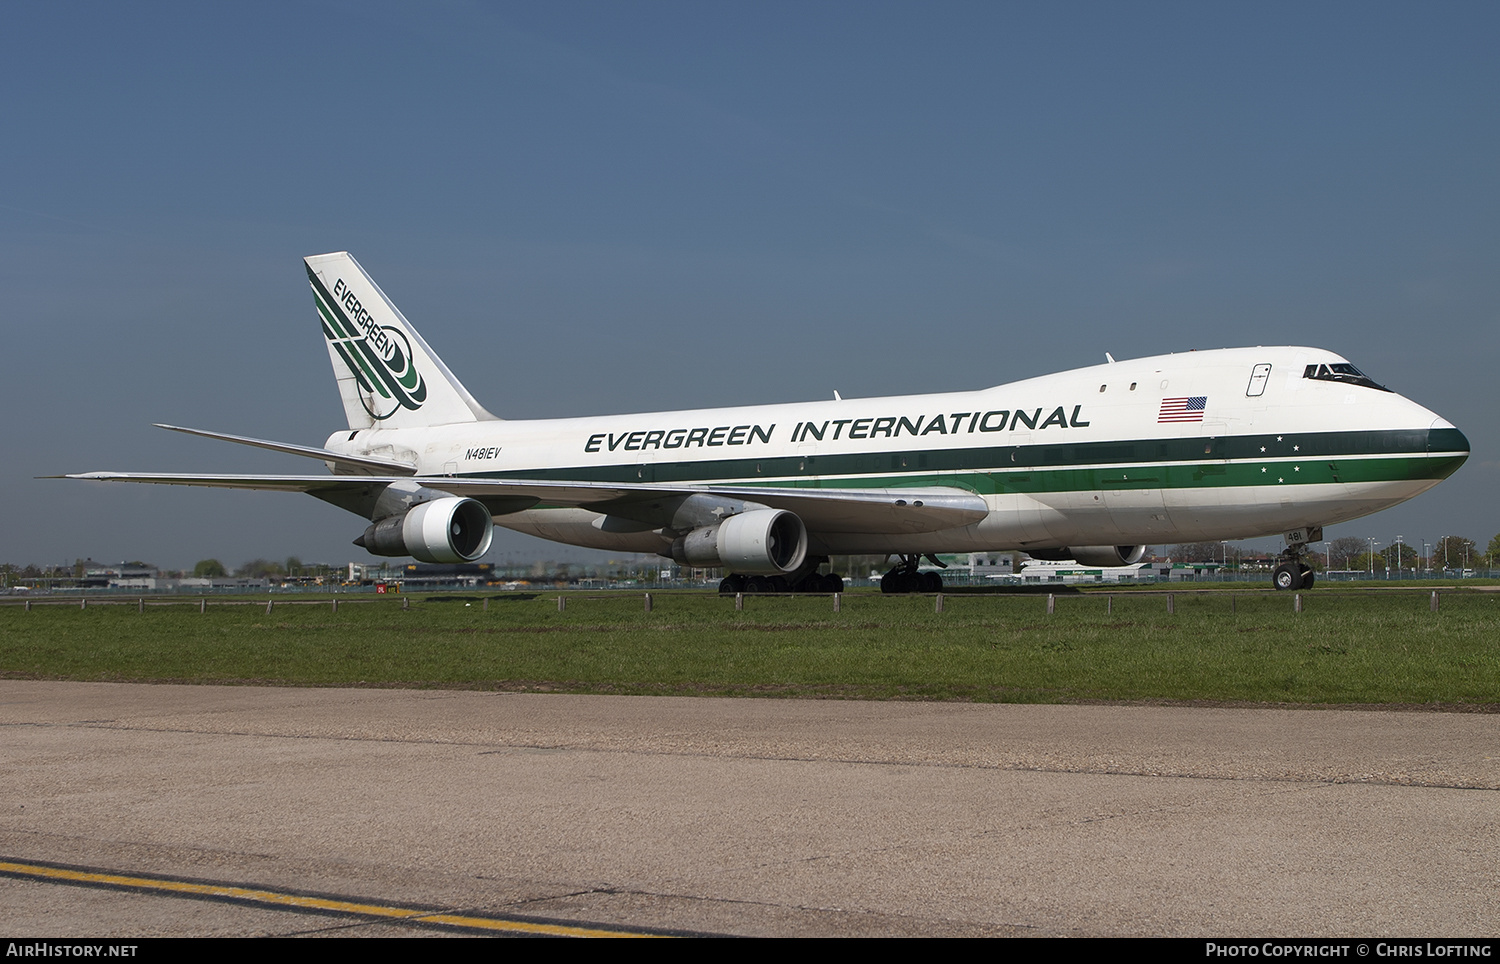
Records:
x=895, y=510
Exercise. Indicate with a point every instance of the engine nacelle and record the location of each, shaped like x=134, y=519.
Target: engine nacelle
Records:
x=769, y=542
x=450, y=529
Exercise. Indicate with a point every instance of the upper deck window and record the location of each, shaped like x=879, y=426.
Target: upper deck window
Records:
x=1341, y=372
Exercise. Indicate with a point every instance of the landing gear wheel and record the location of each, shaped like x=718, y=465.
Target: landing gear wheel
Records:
x=730, y=585
x=756, y=584
x=1287, y=576
x=822, y=584
x=904, y=577
x=1307, y=577
x=931, y=582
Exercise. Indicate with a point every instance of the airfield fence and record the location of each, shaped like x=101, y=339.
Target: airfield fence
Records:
x=1044, y=599
x=953, y=579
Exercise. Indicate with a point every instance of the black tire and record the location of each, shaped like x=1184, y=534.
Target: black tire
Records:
x=756, y=584
x=932, y=582
x=901, y=583
x=833, y=583
x=1307, y=577
x=1286, y=576
x=732, y=584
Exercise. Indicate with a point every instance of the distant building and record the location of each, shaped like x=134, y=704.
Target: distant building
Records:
x=123, y=576
x=417, y=575
x=1069, y=573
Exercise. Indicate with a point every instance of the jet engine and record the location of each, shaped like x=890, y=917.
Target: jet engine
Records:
x=760, y=542
x=1092, y=555
x=450, y=529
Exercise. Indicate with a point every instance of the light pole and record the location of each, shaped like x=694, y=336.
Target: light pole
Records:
x=1398, y=557
x=1371, y=570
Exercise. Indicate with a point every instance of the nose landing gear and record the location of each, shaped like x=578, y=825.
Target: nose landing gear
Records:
x=1292, y=575
x=1291, y=572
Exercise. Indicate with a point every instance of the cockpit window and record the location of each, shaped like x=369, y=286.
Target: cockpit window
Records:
x=1341, y=372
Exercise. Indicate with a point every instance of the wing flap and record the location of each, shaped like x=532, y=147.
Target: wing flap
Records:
x=870, y=510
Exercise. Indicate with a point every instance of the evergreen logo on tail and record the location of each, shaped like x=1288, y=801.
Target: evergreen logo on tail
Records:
x=379, y=356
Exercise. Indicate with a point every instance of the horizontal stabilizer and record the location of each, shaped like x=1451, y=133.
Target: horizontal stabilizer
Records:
x=362, y=464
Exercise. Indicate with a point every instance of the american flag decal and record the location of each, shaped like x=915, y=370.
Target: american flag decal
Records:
x=1182, y=409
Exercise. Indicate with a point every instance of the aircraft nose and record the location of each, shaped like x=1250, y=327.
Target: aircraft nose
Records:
x=1447, y=448
x=1442, y=436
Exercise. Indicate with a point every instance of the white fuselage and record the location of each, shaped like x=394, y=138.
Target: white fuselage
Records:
x=1224, y=444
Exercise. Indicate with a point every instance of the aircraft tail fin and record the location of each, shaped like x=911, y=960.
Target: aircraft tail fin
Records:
x=388, y=376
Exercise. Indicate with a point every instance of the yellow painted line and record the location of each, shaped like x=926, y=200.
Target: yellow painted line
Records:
x=302, y=902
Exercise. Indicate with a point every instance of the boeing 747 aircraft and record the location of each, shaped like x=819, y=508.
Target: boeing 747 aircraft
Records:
x=1092, y=464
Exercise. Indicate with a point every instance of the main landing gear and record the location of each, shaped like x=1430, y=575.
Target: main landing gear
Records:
x=806, y=579
x=1291, y=572
x=904, y=577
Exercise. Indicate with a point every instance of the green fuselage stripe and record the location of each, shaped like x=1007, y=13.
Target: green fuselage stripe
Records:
x=1309, y=458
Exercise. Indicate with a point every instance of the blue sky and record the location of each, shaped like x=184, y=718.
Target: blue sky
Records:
x=598, y=207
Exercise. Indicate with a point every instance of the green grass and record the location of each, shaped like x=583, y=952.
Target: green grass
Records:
x=1346, y=647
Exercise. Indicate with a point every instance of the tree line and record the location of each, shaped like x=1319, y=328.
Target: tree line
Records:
x=1354, y=553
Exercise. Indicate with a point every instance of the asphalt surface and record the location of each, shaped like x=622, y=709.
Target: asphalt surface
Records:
x=754, y=817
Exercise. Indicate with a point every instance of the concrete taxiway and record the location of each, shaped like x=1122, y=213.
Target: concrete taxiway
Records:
x=763, y=817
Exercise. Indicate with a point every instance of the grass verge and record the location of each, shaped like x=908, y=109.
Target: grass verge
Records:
x=1344, y=648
